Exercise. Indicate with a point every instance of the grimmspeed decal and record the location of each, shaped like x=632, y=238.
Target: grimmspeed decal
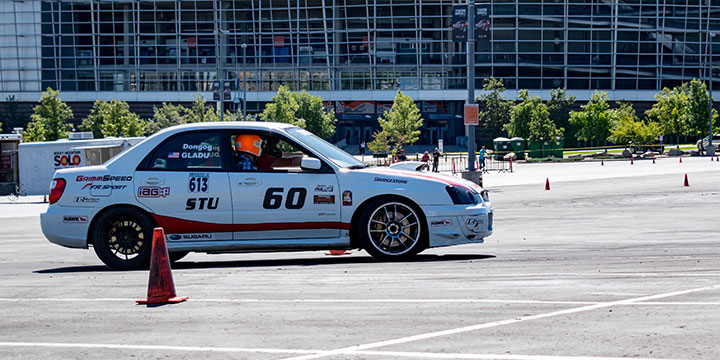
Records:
x=153, y=191
x=208, y=203
x=81, y=178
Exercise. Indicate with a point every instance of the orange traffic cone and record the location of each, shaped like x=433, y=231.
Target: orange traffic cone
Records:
x=338, y=252
x=547, y=183
x=681, y=159
x=602, y=162
x=653, y=159
x=631, y=160
x=161, y=288
x=511, y=165
x=686, y=181
x=717, y=158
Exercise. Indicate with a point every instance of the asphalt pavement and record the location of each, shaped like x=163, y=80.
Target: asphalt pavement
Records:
x=615, y=261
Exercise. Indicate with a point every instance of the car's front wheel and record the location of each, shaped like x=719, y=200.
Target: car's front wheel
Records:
x=392, y=229
x=122, y=238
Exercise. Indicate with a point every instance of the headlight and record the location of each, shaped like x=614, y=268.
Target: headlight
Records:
x=461, y=196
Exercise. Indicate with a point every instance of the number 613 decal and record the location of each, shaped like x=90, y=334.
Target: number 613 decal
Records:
x=274, y=198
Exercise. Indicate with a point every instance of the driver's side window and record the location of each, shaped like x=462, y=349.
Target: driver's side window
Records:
x=274, y=155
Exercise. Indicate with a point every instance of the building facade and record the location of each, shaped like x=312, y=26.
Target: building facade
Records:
x=355, y=54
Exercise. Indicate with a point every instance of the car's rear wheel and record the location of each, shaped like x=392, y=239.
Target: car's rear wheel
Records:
x=392, y=229
x=122, y=238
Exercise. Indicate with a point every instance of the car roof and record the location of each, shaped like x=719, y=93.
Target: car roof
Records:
x=259, y=125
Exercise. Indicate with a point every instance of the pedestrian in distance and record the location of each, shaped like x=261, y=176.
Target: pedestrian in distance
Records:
x=425, y=158
x=362, y=148
x=481, y=157
x=436, y=159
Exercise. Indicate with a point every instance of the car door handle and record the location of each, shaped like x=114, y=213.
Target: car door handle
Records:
x=250, y=182
x=153, y=181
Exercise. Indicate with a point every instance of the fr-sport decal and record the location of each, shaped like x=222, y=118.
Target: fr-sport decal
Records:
x=179, y=226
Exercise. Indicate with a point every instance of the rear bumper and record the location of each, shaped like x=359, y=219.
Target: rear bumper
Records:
x=64, y=229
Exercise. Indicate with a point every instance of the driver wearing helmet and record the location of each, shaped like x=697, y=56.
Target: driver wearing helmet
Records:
x=249, y=148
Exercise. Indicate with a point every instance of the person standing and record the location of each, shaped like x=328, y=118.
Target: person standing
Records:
x=481, y=157
x=362, y=147
x=436, y=160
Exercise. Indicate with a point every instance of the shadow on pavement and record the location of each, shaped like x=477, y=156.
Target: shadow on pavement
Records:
x=330, y=260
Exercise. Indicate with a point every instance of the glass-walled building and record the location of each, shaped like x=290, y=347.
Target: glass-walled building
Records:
x=353, y=53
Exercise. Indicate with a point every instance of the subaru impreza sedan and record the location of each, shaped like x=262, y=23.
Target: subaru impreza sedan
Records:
x=228, y=187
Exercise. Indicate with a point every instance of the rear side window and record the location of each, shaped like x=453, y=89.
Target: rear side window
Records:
x=190, y=151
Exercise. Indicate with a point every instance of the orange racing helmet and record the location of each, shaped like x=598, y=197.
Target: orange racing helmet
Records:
x=251, y=144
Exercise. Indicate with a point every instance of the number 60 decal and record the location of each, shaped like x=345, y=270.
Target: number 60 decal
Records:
x=274, y=197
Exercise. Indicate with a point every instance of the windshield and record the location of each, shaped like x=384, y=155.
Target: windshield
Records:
x=334, y=154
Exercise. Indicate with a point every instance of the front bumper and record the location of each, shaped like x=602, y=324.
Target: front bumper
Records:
x=458, y=224
x=66, y=226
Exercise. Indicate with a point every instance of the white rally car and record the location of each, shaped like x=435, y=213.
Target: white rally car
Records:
x=305, y=194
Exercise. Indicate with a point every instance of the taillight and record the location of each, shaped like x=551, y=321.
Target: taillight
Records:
x=57, y=187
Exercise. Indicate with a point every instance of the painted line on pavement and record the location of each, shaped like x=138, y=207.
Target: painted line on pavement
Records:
x=298, y=351
x=155, y=347
x=435, y=334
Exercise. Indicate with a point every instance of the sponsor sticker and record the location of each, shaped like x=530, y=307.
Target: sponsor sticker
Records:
x=153, y=192
x=70, y=219
x=439, y=223
x=324, y=188
x=85, y=199
x=323, y=199
x=327, y=213
x=82, y=178
x=92, y=186
x=475, y=223
x=390, y=180
x=347, y=198
x=202, y=236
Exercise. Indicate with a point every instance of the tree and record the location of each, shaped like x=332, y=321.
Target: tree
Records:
x=11, y=117
x=670, y=110
x=402, y=122
x=113, y=118
x=593, y=120
x=541, y=127
x=559, y=107
x=497, y=109
x=312, y=111
x=201, y=111
x=530, y=119
x=301, y=109
x=627, y=128
x=697, y=108
x=381, y=144
x=49, y=119
x=166, y=116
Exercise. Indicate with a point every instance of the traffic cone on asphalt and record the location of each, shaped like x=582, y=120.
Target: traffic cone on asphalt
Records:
x=602, y=162
x=338, y=252
x=161, y=288
x=511, y=165
x=686, y=181
x=547, y=183
x=631, y=160
x=717, y=158
x=681, y=159
x=653, y=159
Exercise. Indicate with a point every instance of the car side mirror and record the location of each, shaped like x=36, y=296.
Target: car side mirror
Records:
x=308, y=163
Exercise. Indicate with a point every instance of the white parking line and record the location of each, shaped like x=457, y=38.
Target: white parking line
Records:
x=430, y=335
x=155, y=347
x=415, y=355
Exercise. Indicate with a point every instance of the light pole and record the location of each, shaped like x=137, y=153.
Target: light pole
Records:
x=711, y=35
x=244, y=103
x=218, y=59
x=471, y=80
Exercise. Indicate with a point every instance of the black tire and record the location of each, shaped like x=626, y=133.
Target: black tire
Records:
x=122, y=238
x=392, y=229
x=175, y=256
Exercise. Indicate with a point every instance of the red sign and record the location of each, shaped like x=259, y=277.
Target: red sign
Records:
x=471, y=114
x=278, y=41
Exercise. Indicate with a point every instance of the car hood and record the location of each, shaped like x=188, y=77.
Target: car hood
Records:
x=423, y=176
